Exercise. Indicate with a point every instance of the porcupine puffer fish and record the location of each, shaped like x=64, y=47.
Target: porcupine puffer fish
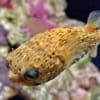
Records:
x=47, y=54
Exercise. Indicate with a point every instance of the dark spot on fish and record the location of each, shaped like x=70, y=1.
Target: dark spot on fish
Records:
x=8, y=63
x=53, y=53
x=82, y=39
x=19, y=69
x=50, y=56
x=42, y=65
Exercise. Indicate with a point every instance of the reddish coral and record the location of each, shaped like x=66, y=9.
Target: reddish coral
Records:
x=6, y=4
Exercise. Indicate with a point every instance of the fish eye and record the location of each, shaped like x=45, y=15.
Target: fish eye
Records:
x=31, y=74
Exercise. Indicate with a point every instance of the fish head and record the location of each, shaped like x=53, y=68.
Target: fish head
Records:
x=27, y=68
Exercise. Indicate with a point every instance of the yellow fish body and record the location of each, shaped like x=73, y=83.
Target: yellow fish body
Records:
x=47, y=54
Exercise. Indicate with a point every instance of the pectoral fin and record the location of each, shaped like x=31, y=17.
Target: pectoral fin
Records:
x=93, y=51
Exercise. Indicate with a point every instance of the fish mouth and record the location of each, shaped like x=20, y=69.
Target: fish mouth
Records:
x=12, y=75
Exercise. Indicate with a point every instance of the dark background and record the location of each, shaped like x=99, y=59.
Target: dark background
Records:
x=80, y=9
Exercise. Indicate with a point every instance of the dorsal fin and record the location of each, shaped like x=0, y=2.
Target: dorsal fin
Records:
x=94, y=19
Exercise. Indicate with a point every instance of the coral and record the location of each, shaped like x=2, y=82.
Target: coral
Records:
x=6, y=4
x=56, y=10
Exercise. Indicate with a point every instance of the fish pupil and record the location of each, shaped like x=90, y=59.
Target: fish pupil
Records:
x=31, y=74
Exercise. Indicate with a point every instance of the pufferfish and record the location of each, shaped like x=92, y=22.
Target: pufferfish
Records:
x=47, y=54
